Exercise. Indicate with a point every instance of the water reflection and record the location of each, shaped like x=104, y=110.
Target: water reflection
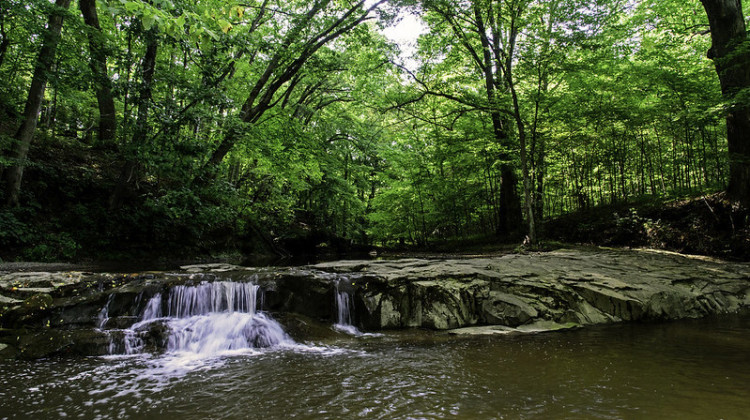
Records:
x=695, y=369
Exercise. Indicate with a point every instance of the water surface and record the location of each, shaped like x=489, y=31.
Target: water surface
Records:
x=685, y=370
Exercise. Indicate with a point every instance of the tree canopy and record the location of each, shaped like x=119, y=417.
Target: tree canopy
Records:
x=270, y=125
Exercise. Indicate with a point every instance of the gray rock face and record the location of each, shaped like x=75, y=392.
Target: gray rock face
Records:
x=43, y=314
x=580, y=287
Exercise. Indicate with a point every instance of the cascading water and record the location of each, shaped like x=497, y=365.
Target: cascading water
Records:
x=344, y=309
x=207, y=319
x=104, y=313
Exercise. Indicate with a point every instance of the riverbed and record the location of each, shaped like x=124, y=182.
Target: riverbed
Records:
x=690, y=369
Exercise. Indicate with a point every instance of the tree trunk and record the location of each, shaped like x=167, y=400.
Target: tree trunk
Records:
x=527, y=192
x=279, y=70
x=4, y=44
x=127, y=174
x=25, y=133
x=98, y=64
x=510, y=203
x=731, y=56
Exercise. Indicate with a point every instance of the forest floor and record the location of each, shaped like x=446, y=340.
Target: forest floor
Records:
x=707, y=225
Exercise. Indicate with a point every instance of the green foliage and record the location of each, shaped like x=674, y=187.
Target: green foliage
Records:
x=328, y=142
x=55, y=248
x=40, y=243
x=13, y=232
x=631, y=226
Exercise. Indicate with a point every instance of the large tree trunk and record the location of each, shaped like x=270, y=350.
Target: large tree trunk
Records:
x=731, y=55
x=98, y=64
x=510, y=203
x=128, y=172
x=25, y=133
x=510, y=219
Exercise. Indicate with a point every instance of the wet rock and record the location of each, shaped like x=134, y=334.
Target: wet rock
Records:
x=581, y=287
x=498, y=295
x=300, y=292
x=536, y=327
x=507, y=309
x=305, y=329
x=37, y=344
x=616, y=304
x=38, y=301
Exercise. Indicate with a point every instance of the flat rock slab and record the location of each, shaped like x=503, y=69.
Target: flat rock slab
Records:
x=485, y=295
x=565, y=286
x=536, y=327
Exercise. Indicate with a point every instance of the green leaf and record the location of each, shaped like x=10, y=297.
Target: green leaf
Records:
x=225, y=26
x=132, y=6
x=148, y=22
x=211, y=33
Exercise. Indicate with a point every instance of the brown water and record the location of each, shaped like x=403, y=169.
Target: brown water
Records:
x=680, y=370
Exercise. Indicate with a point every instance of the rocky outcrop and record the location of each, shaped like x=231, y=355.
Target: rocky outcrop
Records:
x=71, y=312
x=578, y=287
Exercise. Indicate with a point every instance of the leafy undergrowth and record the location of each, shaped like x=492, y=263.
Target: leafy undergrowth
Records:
x=65, y=213
x=706, y=225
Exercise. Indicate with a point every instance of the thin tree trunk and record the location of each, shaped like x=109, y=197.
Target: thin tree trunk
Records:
x=717, y=159
x=126, y=101
x=642, y=160
x=127, y=174
x=25, y=133
x=704, y=159
x=661, y=162
x=4, y=44
x=689, y=158
x=98, y=64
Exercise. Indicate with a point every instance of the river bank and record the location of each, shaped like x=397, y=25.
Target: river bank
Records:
x=61, y=312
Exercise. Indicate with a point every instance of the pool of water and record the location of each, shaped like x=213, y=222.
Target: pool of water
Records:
x=686, y=370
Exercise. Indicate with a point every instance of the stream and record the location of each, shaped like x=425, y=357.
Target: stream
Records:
x=276, y=344
x=687, y=370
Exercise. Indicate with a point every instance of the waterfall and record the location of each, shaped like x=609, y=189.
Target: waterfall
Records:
x=223, y=296
x=104, y=313
x=206, y=319
x=344, y=309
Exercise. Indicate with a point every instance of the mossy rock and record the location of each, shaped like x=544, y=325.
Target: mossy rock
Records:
x=38, y=301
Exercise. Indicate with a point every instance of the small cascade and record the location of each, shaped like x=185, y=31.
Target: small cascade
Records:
x=133, y=342
x=344, y=309
x=153, y=308
x=104, y=313
x=220, y=332
x=223, y=296
x=206, y=319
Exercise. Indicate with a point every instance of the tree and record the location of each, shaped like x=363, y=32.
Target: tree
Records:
x=309, y=31
x=489, y=43
x=731, y=54
x=285, y=120
x=25, y=133
x=148, y=68
x=98, y=64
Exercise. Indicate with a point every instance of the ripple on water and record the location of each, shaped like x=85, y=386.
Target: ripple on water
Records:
x=676, y=370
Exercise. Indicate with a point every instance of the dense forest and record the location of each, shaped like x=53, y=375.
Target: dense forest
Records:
x=182, y=128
